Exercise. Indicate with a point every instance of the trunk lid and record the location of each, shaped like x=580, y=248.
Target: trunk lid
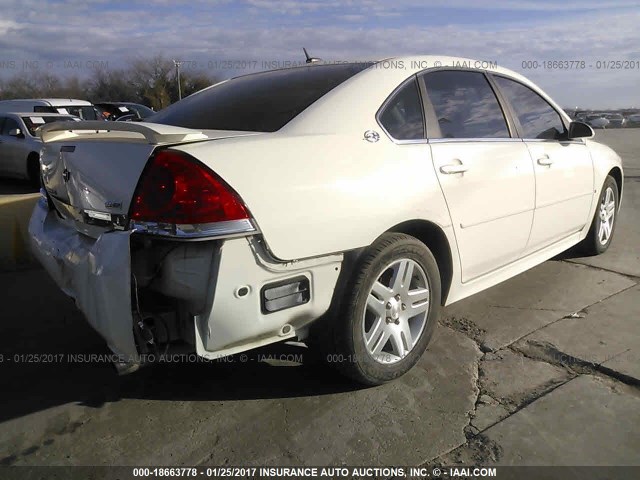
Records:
x=90, y=170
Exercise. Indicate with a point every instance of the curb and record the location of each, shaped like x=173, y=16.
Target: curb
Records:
x=15, y=212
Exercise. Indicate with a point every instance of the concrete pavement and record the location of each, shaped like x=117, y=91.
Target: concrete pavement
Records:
x=542, y=369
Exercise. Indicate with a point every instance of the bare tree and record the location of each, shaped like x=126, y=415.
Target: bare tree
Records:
x=151, y=82
x=112, y=86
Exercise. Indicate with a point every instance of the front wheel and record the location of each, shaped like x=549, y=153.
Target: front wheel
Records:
x=389, y=312
x=603, y=225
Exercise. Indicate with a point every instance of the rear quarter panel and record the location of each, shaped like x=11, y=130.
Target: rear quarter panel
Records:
x=313, y=195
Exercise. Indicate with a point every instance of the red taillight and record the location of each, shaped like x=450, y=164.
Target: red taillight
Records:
x=175, y=188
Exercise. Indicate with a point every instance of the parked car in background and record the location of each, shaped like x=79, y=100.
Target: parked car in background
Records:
x=633, y=120
x=19, y=144
x=341, y=205
x=616, y=120
x=123, y=111
x=66, y=106
x=597, y=120
x=581, y=116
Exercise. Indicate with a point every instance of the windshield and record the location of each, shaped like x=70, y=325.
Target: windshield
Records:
x=33, y=122
x=142, y=110
x=260, y=102
x=115, y=111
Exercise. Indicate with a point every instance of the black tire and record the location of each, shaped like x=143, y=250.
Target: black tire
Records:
x=348, y=351
x=592, y=244
x=33, y=169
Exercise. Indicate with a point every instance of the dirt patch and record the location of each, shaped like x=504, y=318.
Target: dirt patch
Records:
x=465, y=326
x=480, y=450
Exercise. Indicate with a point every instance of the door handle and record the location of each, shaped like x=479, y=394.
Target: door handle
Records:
x=455, y=168
x=545, y=161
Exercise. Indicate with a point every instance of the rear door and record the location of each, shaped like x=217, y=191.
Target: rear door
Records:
x=563, y=168
x=485, y=174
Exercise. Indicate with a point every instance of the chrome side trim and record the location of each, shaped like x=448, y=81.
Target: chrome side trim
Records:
x=579, y=141
x=467, y=140
x=226, y=229
x=406, y=142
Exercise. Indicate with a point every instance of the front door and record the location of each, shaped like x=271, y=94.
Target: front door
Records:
x=563, y=168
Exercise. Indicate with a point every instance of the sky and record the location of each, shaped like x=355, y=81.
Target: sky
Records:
x=229, y=38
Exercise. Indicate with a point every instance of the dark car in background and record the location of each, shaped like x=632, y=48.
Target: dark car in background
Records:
x=616, y=120
x=124, y=111
x=633, y=120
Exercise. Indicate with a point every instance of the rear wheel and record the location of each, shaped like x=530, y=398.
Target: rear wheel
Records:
x=33, y=169
x=389, y=312
x=603, y=225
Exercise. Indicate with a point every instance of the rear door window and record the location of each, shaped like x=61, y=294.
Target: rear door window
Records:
x=465, y=105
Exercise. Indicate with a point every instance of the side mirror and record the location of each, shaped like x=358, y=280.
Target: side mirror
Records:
x=580, y=130
x=16, y=132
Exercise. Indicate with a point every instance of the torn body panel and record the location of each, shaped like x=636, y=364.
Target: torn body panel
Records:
x=94, y=272
x=154, y=295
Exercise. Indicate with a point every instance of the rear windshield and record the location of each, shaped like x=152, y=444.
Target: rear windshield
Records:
x=85, y=113
x=33, y=121
x=261, y=102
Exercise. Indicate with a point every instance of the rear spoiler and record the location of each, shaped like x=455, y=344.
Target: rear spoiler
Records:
x=153, y=133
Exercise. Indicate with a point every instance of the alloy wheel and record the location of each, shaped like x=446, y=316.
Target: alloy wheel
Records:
x=607, y=216
x=396, y=311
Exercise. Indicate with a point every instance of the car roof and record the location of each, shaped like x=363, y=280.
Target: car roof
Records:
x=412, y=64
x=54, y=102
x=118, y=103
x=37, y=114
x=360, y=96
x=65, y=102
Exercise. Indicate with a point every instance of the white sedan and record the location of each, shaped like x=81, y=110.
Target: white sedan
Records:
x=339, y=205
x=19, y=143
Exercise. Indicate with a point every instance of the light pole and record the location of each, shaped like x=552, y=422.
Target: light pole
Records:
x=177, y=63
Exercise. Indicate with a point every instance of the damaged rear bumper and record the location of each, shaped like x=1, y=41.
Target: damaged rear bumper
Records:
x=213, y=290
x=95, y=273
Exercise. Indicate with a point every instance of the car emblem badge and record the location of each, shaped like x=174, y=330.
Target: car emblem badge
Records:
x=66, y=175
x=371, y=136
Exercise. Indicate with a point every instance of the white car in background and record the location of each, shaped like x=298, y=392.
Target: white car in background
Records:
x=65, y=106
x=20, y=146
x=340, y=205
